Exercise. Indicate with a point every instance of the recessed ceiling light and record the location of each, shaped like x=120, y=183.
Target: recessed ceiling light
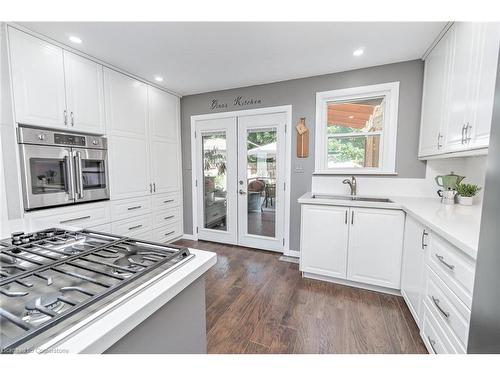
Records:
x=358, y=52
x=351, y=116
x=158, y=79
x=75, y=39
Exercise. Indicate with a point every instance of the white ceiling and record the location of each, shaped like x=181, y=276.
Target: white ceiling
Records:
x=195, y=57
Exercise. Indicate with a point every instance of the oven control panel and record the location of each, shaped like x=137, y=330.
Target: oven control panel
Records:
x=69, y=139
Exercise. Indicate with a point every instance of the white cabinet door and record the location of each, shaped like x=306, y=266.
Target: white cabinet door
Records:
x=412, y=272
x=129, y=167
x=165, y=164
x=126, y=105
x=323, y=240
x=163, y=115
x=434, y=100
x=464, y=34
x=483, y=79
x=375, y=246
x=38, y=81
x=84, y=94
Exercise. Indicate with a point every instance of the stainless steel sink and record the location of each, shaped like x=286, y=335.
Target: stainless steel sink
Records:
x=351, y=198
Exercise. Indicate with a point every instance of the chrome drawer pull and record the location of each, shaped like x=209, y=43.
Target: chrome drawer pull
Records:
x=75, y=219
x=441, y=259
x=424, y=233
x=432, y=343
x=169, y=233
x=135, y=227
x=436, y=302
x=168, y=201
x=134, y=208
x=169, y=217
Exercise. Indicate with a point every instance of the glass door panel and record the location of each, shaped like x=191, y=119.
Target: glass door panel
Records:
x=48, y=175
x=214, y=158
x=261, y=182
x=93, y=174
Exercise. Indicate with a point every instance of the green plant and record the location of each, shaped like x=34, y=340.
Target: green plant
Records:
x=467, y=190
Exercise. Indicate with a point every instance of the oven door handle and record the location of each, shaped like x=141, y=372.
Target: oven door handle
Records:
x=69, y=182
x=78, y=173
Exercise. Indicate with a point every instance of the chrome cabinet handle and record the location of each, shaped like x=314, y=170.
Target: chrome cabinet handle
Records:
x=154, y=187
x=463, y=134
x=242, y=192
x=345, y=218
x=65, y=113
x=436, y=302
x=424, y=233
x=75, y=219
x=441, y=259
x=134, y=208
x=72, y=118
x=168, y=217
x=352, y=217
x=135, y=227
x=169, y=233
x=150, y=187
x=168, y=201
x=468, y=133
x=439, y=140
x=432, y=343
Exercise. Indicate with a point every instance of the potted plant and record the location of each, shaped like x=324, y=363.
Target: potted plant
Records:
x=466, y=193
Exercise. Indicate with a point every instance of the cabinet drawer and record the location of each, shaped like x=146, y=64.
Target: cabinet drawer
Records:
x=126, y=208
x=145, y=235
x=103, y=228
x=433, y=335
x=453, y=267
x=130, y=227
x=75, y=216
x=167, y=216
x=163, y=201
x=168, y=232
x=455, y=315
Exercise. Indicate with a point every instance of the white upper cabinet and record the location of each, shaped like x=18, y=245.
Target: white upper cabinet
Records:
x=375, y=246
x=126, y=105
x=165, y=166
x=458, y=94
x=163, y=115
x=37, y=71
x=84, y=94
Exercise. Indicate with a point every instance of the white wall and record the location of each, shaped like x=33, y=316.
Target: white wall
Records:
x=3, y=197
x=474, y=168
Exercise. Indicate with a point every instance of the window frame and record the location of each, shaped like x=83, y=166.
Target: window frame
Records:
x=388, y=137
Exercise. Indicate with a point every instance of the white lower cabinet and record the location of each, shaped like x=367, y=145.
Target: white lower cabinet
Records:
x=375, y=246
x=362, y=245
x=324, y=236
x=416, y=239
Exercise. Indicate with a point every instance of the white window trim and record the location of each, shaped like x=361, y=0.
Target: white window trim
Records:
x=387, y=142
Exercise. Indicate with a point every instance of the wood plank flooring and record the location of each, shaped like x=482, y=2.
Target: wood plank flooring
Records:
x=258, y=304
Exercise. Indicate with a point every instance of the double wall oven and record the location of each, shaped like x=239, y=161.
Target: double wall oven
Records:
x=62, y=168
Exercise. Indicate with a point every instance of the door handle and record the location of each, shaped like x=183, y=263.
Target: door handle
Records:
x=65, y=113
x=69, y=185
x=468, y=133
x=154, y=187
x=150, y=187
x=352, y=217
x=463, y=134
x=78, y=172
x=242, y=192
x=72, y=118
x=345, y=218
x=424, y=233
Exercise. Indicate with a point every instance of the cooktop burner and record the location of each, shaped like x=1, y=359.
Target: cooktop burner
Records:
x=54, y=274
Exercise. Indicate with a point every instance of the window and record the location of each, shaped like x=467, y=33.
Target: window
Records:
x=356, y=130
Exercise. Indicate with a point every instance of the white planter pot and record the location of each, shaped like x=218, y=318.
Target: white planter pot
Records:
x=465, y=201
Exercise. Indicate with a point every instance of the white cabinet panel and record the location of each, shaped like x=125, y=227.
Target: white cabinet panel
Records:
x=375, y=246
x=38, y=80
x=324, y=236
x=165, y=163
x=84, y=93
x=129, y=167
x=163, y=115
x=126, y=105
x=416, y=239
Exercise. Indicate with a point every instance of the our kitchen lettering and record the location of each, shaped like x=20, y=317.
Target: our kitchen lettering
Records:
x=238, y=101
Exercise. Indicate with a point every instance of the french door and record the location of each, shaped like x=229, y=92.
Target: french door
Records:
x=240, y=180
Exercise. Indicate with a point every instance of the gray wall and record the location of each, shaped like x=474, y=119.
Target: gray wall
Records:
x=484, y=333
x=301, y=94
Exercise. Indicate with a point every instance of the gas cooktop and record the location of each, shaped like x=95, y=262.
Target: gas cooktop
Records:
x=48, y=276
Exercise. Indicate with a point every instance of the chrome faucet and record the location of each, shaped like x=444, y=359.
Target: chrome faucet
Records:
x=352, y=184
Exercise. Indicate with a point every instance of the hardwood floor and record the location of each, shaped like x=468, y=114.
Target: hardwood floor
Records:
x=258, y=304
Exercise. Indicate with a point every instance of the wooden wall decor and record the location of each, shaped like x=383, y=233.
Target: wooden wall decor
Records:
x=302, y=139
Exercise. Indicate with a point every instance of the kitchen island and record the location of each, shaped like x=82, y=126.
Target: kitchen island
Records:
x=162, y=311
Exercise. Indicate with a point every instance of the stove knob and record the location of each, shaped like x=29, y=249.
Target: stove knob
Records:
x=95, y=142
x=41, y=137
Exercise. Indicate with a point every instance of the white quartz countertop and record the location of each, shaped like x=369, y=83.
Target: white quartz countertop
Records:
x=102, y=329
x=460, y=225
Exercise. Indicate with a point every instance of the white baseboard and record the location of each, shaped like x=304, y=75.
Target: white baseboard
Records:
x=355, y=284
x=191, y=237
x=292, y=253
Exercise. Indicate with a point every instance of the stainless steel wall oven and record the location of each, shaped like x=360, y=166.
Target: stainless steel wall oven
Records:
x=59, y=168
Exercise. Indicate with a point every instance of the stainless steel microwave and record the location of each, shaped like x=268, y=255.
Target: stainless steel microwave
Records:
x=60, y=168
